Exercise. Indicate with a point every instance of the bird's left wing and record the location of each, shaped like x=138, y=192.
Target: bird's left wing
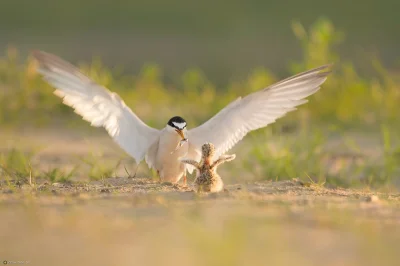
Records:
x=254, y=111
x=98, y=105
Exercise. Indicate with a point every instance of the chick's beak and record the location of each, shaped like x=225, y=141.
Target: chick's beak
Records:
x=180, y=132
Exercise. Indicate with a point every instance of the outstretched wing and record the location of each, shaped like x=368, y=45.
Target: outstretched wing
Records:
x=190, y=162
x=97, y=105
x=255, y=111
x=223, y=159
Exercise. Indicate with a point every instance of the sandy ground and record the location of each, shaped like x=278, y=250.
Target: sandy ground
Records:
x=139, y=221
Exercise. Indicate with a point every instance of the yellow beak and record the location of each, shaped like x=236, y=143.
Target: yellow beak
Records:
x=180, y=132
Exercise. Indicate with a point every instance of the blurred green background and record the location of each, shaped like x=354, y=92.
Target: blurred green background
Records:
x=167, y=58
x=58, y=194
x=224, y=38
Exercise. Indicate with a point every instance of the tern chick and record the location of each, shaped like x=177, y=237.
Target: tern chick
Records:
x=207, y=179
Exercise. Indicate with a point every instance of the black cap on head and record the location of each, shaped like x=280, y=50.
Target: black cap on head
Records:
x=177, y=122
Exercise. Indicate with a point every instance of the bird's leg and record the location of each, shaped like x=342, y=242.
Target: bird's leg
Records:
x=184, y=179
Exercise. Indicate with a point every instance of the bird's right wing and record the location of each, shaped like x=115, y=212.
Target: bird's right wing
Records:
x=97, y=105
x=255, y=111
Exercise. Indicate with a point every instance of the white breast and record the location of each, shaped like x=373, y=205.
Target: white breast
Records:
x=169, y=166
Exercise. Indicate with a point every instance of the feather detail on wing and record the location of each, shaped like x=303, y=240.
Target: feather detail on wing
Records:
x=97, y=105
x=255, y=111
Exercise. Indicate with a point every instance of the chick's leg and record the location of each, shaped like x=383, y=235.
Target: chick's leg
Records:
x=158, y=174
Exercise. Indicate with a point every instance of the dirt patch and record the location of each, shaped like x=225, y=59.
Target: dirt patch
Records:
x=150, y=223
x=139, y=221
x=289, y=191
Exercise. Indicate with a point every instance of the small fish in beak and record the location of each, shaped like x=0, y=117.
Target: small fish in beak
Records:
x=182, y=141
x=180, y=133
x=180, y=144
